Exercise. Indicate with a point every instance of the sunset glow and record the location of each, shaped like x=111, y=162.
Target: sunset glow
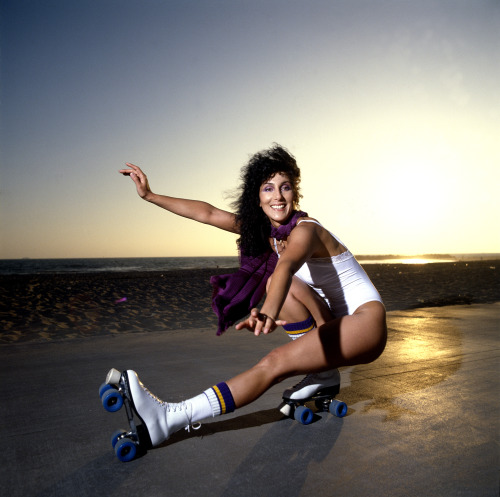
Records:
x=393, y=114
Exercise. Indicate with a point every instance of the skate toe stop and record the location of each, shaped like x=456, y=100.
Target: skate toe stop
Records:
x=113, y=377
x=285, y=409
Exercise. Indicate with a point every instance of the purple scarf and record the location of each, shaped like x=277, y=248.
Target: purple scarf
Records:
x=235, y=295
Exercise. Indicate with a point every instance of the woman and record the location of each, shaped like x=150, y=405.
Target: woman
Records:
x=317, y=292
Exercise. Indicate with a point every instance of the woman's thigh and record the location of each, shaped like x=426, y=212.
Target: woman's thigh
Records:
x=355, y=339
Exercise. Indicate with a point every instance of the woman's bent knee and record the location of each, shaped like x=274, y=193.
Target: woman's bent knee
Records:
x=374, y=315
x=356, y=339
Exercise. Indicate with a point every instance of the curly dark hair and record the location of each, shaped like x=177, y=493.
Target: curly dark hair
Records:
x=254, y=224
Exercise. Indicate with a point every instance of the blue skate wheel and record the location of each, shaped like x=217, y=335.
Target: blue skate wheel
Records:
x=125, y=450
x=112, y=400
x=303, y=415
x=338, y=408
x=116, y=436
x=103, y=388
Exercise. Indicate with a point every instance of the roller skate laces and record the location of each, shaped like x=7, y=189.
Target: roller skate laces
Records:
x=174, y=408
x=184, y=407
x=160, y=418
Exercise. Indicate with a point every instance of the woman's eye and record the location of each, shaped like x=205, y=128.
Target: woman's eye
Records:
x=267, y=189
x=286, y=188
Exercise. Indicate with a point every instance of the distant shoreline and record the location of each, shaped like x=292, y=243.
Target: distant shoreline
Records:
x=168, y=264
x=475, y=256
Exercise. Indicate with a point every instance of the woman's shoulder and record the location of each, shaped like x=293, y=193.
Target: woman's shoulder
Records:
x=327, y=239
x=309, y=220
x=309, y=226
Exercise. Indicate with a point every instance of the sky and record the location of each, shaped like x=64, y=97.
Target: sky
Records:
x=391, y=108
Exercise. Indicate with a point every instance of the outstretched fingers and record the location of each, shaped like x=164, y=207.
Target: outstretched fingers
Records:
x=259, y=323
x=130, y=169
x=138, y=177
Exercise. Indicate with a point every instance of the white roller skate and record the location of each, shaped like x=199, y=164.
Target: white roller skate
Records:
x=313, y=383
x=151, y=420
x=161, y=419
x=318, y=387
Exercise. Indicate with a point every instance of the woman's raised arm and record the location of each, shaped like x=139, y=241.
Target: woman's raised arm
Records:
x=197, y=210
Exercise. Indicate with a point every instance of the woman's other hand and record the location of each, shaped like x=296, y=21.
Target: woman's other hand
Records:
x=259, y=323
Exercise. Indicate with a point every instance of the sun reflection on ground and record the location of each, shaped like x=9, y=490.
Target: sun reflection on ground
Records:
x=424, y=349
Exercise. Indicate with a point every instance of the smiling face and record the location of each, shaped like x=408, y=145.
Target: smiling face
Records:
x=277, y=199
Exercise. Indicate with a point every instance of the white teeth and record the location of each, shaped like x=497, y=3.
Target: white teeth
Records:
x=278, y=207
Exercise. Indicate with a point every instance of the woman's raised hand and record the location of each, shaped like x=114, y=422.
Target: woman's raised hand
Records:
x=139, y=178
x=259, y=323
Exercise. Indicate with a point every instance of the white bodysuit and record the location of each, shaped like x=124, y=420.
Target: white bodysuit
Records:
x=339, y=280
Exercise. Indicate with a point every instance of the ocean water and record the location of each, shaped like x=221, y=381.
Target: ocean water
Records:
x=55, y=266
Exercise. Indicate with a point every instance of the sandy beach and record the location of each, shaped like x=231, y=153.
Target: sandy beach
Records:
x=66, y=306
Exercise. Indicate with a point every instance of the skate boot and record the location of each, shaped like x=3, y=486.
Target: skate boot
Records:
x=161, y=419
x=320, y=388
x=314, y=383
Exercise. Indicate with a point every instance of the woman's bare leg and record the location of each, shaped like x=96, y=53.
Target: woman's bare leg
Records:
x=345, y=341
x=301, y=302
x=355, y=339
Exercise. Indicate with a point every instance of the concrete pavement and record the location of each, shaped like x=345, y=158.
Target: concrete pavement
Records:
x=423, y=419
